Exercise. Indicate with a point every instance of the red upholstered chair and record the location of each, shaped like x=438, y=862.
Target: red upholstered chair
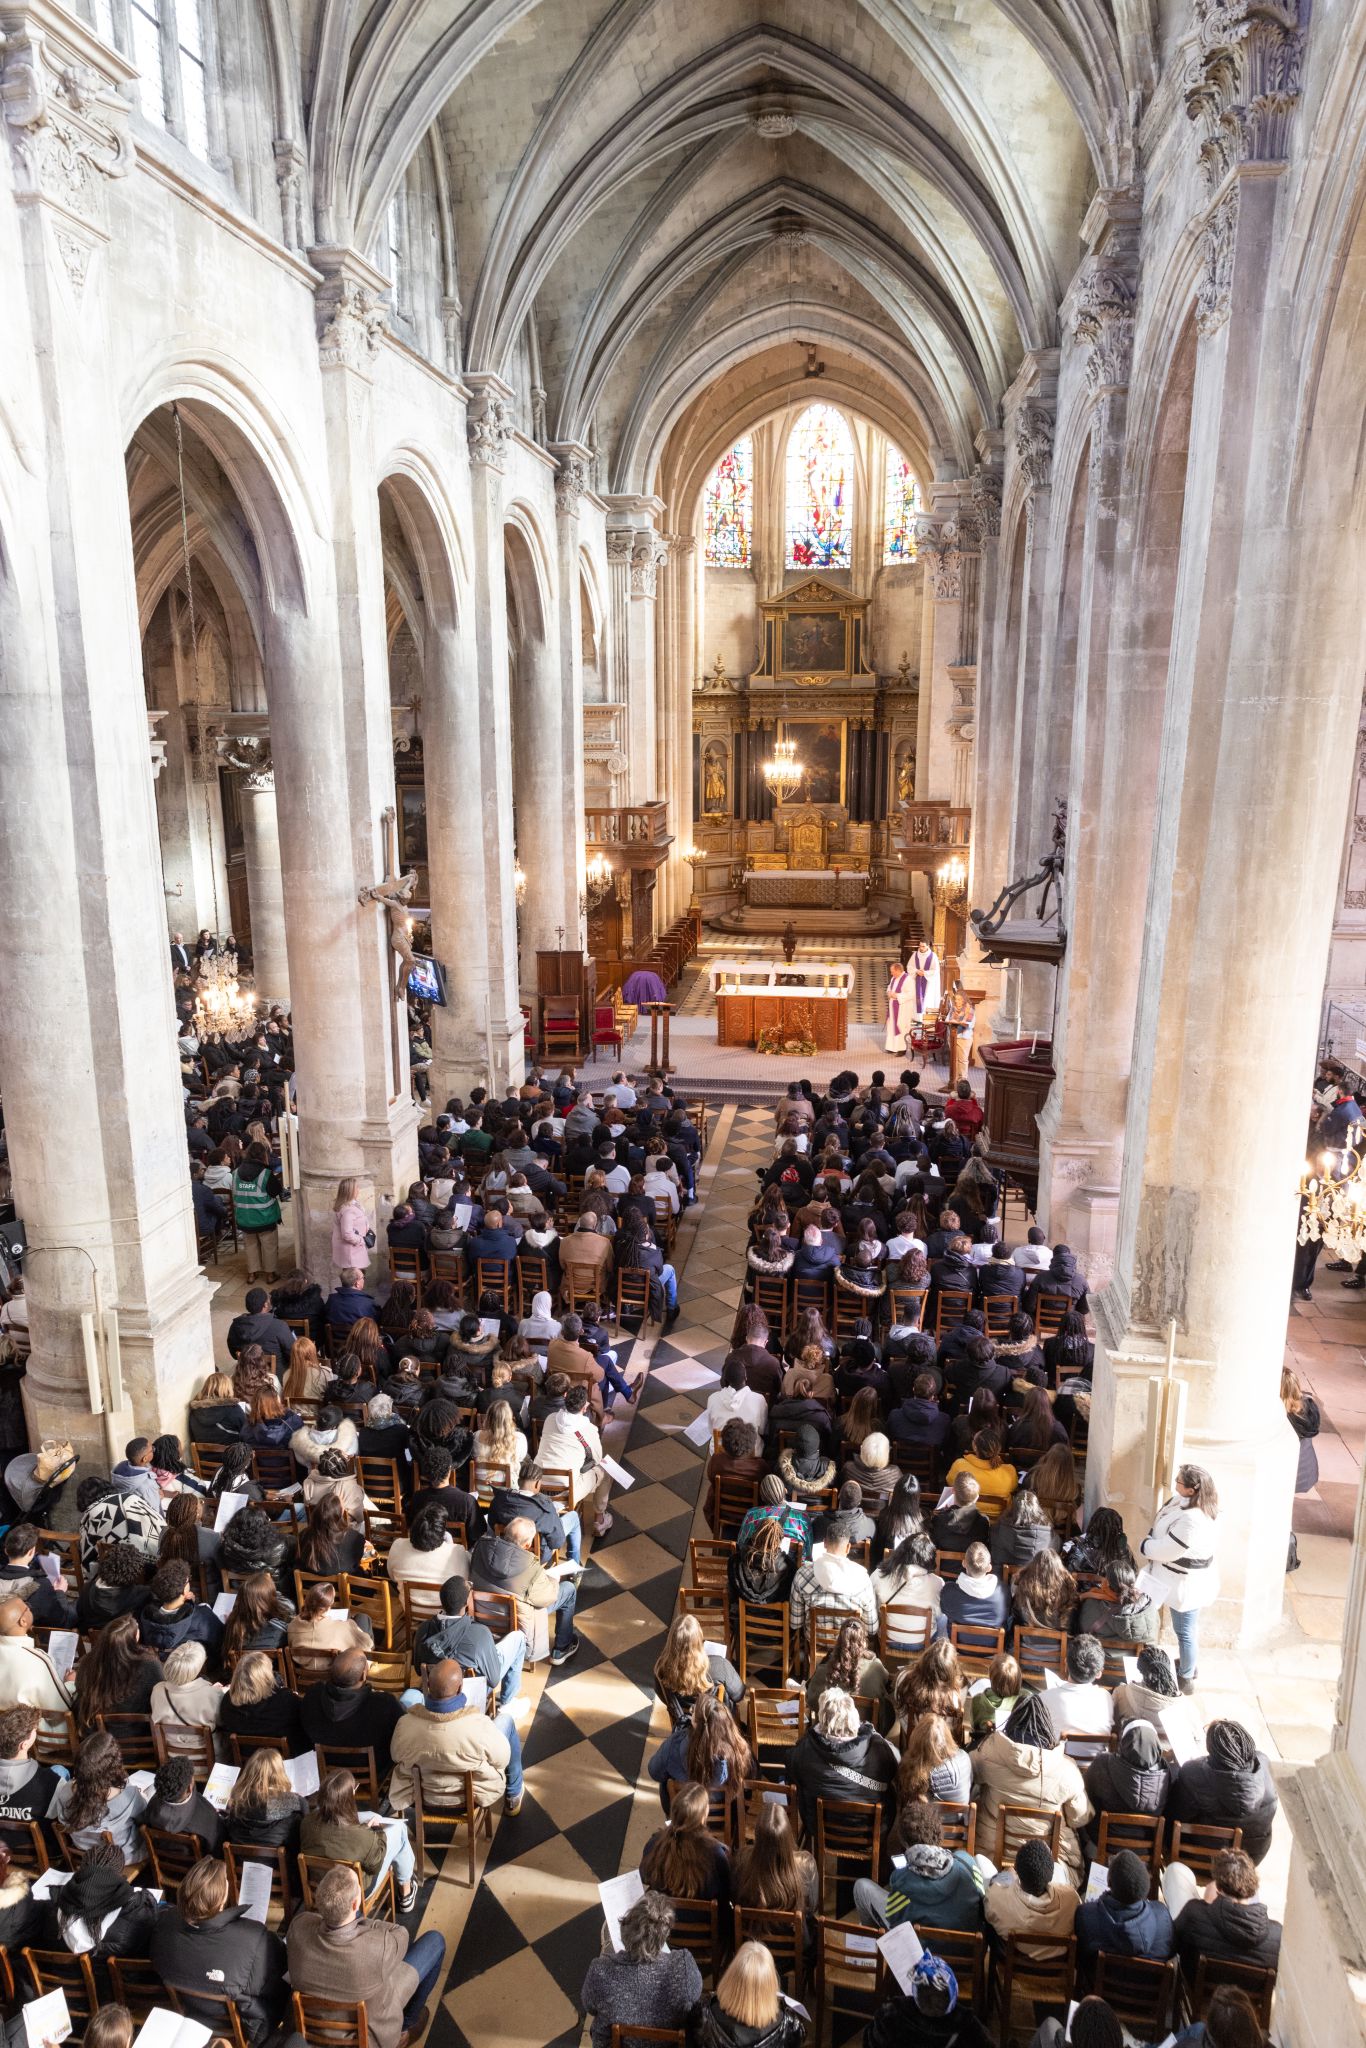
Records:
x=606, y=1030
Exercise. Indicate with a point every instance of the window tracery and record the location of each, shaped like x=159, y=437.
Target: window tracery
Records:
x=900, y=510
x=728, y=508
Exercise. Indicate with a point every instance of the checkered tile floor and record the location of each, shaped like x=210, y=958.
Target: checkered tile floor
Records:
x=522, y=1941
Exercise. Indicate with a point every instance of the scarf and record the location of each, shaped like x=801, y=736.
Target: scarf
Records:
x=928, y=1859
x=93, y=1894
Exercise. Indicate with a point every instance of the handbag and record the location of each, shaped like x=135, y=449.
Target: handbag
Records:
x=369, y=1240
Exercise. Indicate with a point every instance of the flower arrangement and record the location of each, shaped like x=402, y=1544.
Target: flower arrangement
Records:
x=797, y=1043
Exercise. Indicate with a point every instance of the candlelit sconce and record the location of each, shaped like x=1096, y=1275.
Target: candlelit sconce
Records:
x=598, y=877
x=518, y=881
x=697, y=860
x=949, y=894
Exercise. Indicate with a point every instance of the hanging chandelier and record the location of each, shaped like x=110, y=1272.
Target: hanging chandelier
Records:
x=221, y=1004
x=783, y=773
x=598, y=878
x=1333, y=1194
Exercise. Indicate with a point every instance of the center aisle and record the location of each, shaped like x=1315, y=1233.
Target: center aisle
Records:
x=535, y=1921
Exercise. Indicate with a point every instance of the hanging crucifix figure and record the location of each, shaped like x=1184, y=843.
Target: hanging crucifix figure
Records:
x=395, y=893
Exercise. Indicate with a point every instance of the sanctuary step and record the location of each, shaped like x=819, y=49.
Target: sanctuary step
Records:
x=815, y=923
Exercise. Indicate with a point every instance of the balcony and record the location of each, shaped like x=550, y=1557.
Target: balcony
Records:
x=637, y=833
x=934, y=832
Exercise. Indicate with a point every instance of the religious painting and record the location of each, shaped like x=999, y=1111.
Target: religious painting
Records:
x=820, y=751
x=412, y=825
x=714, y=795
x=814, y=643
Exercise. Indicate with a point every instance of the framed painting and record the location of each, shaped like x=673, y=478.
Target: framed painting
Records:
x=412, y=825
x=815, y=643
x=820, y=747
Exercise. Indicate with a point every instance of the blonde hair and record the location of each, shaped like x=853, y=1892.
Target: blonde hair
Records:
x=253, y=1681
x=496, y=1443
x=837, y=1715
x=875, y=1452
x=748, y=1990
x=346, y=1192
x=217, y=1387
x=683, y=1666
x=263, y=1777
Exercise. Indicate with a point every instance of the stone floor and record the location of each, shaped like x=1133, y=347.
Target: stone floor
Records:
x=520, y=1941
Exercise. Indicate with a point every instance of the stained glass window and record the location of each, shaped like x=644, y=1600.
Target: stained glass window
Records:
x=901, y=509
x=820, y=491
x=729, y=508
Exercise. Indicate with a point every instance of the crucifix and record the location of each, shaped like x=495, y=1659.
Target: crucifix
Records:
x=395, y=893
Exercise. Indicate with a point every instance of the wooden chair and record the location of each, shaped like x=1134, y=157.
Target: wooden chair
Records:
x=906, y=1306
x=998, y=1309
x=1049, y=1310
x=696, y=1928
x=976, y=1646
x=1211, y=1971
x=431, y=1820
x=383, y=1484
x=711, y=1608
x=1038, y=1650
x=405, y=1263
x=649, y=2037
x=496, y=1611
x=1084, y=1749
x=848, y=1832
x=421, y=1602
x=330, y=2022
x=171, y=1856
x=783, y=1935
x=851, y=1308
x=133, y=1734
x=379, y=1904
x=242, y=1747
x=720, y=1810
x=849, y=1968
x=765, y=1635
x=1140, y=1832
x=493, y=1276
x=732, y=1500
x=450, y=1266
x=533, y=1277
x=777, y=1720
x=772, y=1294
x=958, y=1824
x=175, y=1738
x=1197, y=1843
x=389, y=1670
x=486, y=1477
x=1019, y=1823
x=632, y=1297
x=811, y=1293
x=373, y=1598
x=757, y=1793
x=1023, y=1973
x=966, y=1956
x=823, y=1625
x=274, y=1467
x=57, y=1740
x=924, y=1462
x=361, y=1764
x=56, y=1970
x=709, y=1562
x=136, y=1984
x=212, y=2009
x=205, y=1459
x=276, y=1858
x=66, y=1544
x=903, y=1632
x=949, y=1563
x=1141, y=1993
x=27, y=1846
x=950, y=1307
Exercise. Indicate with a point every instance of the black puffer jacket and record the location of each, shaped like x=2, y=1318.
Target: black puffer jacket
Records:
x=253, y=1544
x=860, y=1768
x=229, y=1955
x=1235, y=1930
x=1136, y=1779
x=716, y=2029
x=1231, y=1787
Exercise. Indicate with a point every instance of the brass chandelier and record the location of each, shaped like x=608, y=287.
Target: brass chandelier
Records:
x=1333, y=1195
x=783, y=773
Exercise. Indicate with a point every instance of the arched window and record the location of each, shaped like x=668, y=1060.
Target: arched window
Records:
x=168, y=42
x=820, y=491
x=728, y=508
x=901, y=508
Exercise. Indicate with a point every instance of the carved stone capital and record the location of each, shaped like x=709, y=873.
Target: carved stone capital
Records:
x=571, y=481
x=489, y=425
x=1034, y=445
x=682, y=544
x=349, y=322
x=66, y=122
x=649, y=552
x=1214, y=299
x=1243, y=84
x=620, y=540
x=1104, y=320
x=250, y=755
x=291, y=176
x=986, y=501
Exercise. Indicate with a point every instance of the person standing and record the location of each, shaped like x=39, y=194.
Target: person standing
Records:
x=960, y=1016
x=1180, y=1551
x=352, y=1237
x=256, y=1191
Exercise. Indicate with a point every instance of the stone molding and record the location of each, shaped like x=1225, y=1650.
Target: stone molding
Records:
x=1243, y=83
x=291, y=177
x=986, y=501
x=1214, y=299
x=350, y=324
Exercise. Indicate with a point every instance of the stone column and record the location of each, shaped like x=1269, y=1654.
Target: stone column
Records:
x=490, y=424
x=575, y=462
x=636, y=552
x=456, y=851
x=1115, y=721
x=265, y=884
x=82, y=916
x=1257, y=726
x=677, y=633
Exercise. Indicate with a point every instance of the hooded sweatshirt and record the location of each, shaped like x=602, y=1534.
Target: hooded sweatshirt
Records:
x=1024, y=1774
x=832, y=1584
x=857, y=1767
x=1136, y=1779
x=164, y=1629
x=1104, y=1927
x=351, y=1717
x=936, y=1887
x=26, y=1789
x=982, y=1602
x=1236, y=1930
x=1010, y=1909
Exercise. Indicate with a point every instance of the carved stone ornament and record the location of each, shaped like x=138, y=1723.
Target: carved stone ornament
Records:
x=1243, y=85
x=773, y=123
x=1354, y=899
x=67, y=128
x=1359, y=830
x=1034, y=444
x=250, y=755
x=620, y=540
x=571, y=481
x=986, y=501
x=1104, y=320
x=291, y=176
x=489, y=427
x=1214, y=299
x=683, y=544
x=649, y=551
x=937, y=546
x=350, y=323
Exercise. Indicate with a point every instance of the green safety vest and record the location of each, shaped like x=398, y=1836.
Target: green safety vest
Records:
x=251, y=1205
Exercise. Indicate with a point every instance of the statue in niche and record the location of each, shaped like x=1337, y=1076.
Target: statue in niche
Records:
x=714, y=779
x=905, y=778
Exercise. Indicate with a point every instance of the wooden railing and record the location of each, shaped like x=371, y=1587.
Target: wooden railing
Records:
x=632, y=825
x=931, y=831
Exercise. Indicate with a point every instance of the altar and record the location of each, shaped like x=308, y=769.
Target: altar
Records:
x=808, y=999
x=806, y=888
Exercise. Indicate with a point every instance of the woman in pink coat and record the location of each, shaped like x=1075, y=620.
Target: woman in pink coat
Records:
x=349, y=1227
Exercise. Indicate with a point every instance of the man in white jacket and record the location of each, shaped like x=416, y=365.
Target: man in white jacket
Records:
x=570, y=1443
x=28, y=1677
x=833, y=1582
